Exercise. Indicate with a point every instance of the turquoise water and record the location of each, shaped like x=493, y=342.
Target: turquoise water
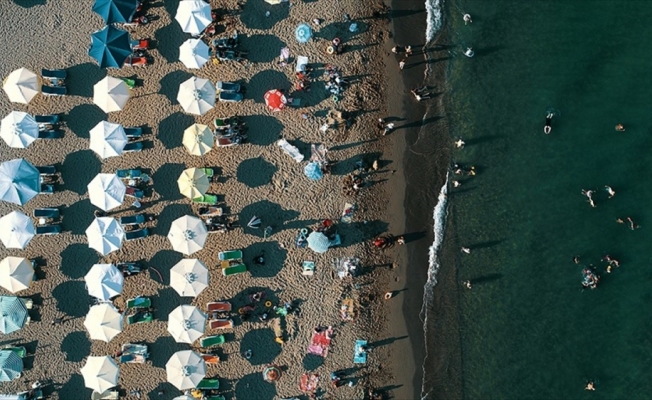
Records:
x=528, y=329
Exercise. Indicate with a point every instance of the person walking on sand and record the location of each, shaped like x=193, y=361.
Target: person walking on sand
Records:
x=408, y=51
x=609, y=190
x=398, y=49
x=381, y=124
x=401, y=64
x=388, y=128
x=467, y=284
x=467, y=19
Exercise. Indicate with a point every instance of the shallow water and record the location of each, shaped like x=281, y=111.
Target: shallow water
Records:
x=528, y=329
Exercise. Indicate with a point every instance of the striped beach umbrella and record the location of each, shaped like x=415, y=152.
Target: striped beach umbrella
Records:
x=13, y=314
x=19, y=181
x=11, y=366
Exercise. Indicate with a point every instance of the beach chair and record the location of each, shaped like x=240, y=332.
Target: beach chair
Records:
x=137, y=234
x=211, y=358
x=47, y=170
x=134, y=353
x=106, y=395
x=234, y=270
x=136, y=61
x=296, y=102
x=225, y=142
x=229, y=87
x=211, y=341
x=209, y=199
x=20, y=351
x=134, y=192
x=51, y=119
x=133, y=147
x=302, y=63
x=230, y=97
x=131, y=83
x=46, y=189
x=214, y=397
x=50, y=134
x=128, y=173
x=54, y=73
x=359, y=353
x=308, y=268
x=219, y=306
x=210, y=211
x=208, y=384
x=140, y=318
x=210, y=172
x=139, y=302
x=230, y=255
x=221, y=323
x=132, y=220
x=53, y=90
x=134, y=132
x=48, y=229
x=141, y=44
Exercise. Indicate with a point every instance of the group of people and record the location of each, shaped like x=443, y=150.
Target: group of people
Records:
x=335, y=82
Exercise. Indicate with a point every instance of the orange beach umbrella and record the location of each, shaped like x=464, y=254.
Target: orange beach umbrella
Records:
x=275, y=100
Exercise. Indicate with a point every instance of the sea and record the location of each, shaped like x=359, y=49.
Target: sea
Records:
x=527, y=329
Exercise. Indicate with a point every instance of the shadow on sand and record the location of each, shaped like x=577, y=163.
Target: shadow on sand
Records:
x=274, y=259
x=254, y=383
x=171, y=35
x=165, y=180
x=162, y=349
x=254, y=15
x=82, y=77
x=263, y=130
x=77, y=259
x=170, y=129
x=255, y=172
x=71, y=290
x=76, y=346
x=264, y=81
x=78, y=217
x=262, y=48
x=262, y=345
x=82, y=118
x=78, y=169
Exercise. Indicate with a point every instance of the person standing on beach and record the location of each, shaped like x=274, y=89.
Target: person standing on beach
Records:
x=408, y=51
x=401, y=64
x=388, y=128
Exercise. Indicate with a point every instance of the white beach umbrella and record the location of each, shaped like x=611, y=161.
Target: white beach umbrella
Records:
x=100, y=373
x=110, y=94
x=187, y=234
x=186, y=323
x=16, y=230
x=21, y=86
x=196, y=95
x=106, y=191
x=193, y=16
x=185, y=369
x=193, y=183
x=19, y=129
x=183, y=397
x=198, y=139
x=16, y=273
x=105, y=235
x=194, y=53
x=103, y=322
x=189, y=277
x=108, y=139
x=19, y=181
x=104, y=281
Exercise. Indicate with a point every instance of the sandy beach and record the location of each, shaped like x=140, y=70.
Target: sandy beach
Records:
x=256, y=178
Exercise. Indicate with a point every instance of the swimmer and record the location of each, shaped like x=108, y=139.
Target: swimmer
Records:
x=469, y=52
x=548, y=127
x=590, y=386
x=608, y=269
x=620, y=128
x=467, y=19
x=466, y=250
x=620, y=220
x=632, y=225
x=460, y=143
x=589, y=195
x=576, y=259
x=609, y=190
x=457, y=183
x=467, y=284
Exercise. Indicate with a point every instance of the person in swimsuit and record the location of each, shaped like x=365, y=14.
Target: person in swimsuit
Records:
x=548, y=127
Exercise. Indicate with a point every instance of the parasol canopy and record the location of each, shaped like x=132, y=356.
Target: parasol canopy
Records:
x=110, y=94
x=271, y=374
x=16, y=230
x=103, y=322
x=11, y=365
x=185, y=369
x=189, y=277
x=110, y=47
x=188, y=234
x=21, y=86
x=100, y=373
x=105, y=235
x=108, y=139
x=116, y=11
x=106, y=191
x=104, y=281
x=196, y=95
x=193, y=16
x=194, y=53
x=19, y=181
x=186, y=323
x=198, y=139
x=16, y=273
x=13, y=314
x=19, y=129
x=275, y=100
x=303, y=33
x=193, y=183
x=313, y=171
x=318, y=242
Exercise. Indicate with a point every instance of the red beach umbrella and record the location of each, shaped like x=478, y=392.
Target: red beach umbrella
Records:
x=275, y=100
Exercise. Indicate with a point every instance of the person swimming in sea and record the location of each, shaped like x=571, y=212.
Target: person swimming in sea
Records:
x=548, y=127
x=589, y=195
x=609, y=190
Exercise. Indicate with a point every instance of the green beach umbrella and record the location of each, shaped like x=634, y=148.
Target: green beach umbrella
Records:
x=13, y=314
x=11, y=366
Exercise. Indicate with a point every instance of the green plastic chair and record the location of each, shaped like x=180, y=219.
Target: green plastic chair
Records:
x=209, y=172
x=209, y=199
x=210, y=341
x=213, y=384
x=19, y=350
x=140, y=318
x=131, y=83
x=230, y=255
x=145, y=302
x=234, y=269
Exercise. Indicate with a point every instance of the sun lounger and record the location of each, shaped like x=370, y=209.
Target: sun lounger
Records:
x=50, y=134
x=234, y=270
x=214, y=397
x=138, y=302
x=221, y=323
x=53, y=90
x=206, y=384
x=134, y=132
x=128, y=173
x=47, y=119
x=228, y=87
x=46, y=189
x=134, y=353
x=219, y=306
x=229, y=97
x=134, y=192
x=302, y=62
x=359, y=353
x=54, y=73
x=107, y=395
x=138, y=234
x=19, y=350
x=47, y=170
x=142, y=44
x=211, y=341
x=140, y=318
x=132, y=147
x=210, y=211
x=209, y=199
x=296, y=102
x=132, y=220
x=225, y=142
x=230, y=255
x=136, y=61
x=210, y=172
x=211, y=358
x=131, y=83
x=223, y=123
x=48, y=229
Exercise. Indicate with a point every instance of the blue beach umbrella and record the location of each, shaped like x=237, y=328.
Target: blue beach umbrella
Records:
x=110, y=47
x=303, y=33
x=13, y=314
x=313, y=171
x=11, y=365
x=116, y=11
x=19, y=181
x=318, y=242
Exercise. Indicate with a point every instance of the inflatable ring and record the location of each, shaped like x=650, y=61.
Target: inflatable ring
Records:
x=240, y=311
x=330, y=49
x=388, y=295
x=336, y=99
x=268, y=304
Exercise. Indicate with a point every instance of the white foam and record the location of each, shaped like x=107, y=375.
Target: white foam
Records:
x=433, y=8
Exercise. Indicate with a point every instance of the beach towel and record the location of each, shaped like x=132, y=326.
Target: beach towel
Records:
x=320, y=342
x=290, y=150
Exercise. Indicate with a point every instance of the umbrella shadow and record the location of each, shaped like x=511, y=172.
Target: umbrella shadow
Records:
x=162, y=261
x=262, y=48
x=70, y=297
x=170, y=36
x=170, y=129
x=79, y=77
x=163, y=387
x=264, y=349
x=270, y=214
x=343, y=167
x=78, y=169
x=263, y=130
x=166, y=181
x=77, y=259
x=253, y=16
x=170, y=86
x=76, y=346
x=358, y=232
x=82, y=118
x=71, y=389
x=255, y=172
x=274, y=259
x=164, y=302
x=162, y=349
x=254, y=383
x=29, y=3
x=312, y=361
x=263, y=81
x=168, y=215
x=78, y=216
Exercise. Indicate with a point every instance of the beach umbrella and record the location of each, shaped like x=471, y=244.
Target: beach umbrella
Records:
x=103, y=322
x=19, y=129
x=21, y=86
x=193, y=16
x=194, y=53
x=185, y=369
x=100, y=373
x=271, y=374
x=198, y=139
x=13, y=314
x=313, y=171
x=11, y=365
x=303, y=33
x=318, y=242
x=16, y=273
x=275, y=100
x=108, y=139
x=19, y=181
x=254, y=222
x=106, y=191
x=110, y=47
x=193, y=183
x=273, y=2
x=196, y=95
x=116, y=11
x=105, y=235
x=104, y=281
x=187, y=234
x=184, y=397
x=186, y=323
x=110, y=94
x=189, y=277
x=16, y=230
